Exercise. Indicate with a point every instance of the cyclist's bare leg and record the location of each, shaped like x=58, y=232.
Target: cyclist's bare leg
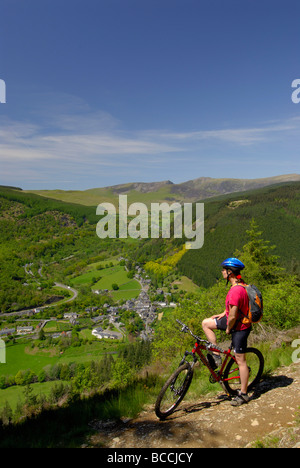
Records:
x=244, y=371
x=208, y=325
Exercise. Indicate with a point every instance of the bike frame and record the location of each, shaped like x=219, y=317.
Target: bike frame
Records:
x=175, y=388
x=208, y=346
x=198, y=347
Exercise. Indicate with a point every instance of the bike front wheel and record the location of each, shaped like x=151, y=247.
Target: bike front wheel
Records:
x=255, y=363
x=173, y=391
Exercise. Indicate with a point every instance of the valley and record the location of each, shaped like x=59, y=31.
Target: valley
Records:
x=82, y=314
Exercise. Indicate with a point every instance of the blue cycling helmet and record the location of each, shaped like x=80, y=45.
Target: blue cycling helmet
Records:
x=233, y=262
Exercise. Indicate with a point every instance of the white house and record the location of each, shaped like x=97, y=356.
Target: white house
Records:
x=99, y=333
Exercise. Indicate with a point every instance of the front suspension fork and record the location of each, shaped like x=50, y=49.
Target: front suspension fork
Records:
x=188, y=353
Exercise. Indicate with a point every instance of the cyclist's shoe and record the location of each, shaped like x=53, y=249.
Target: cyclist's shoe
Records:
x=240, y=399
x=214, y=360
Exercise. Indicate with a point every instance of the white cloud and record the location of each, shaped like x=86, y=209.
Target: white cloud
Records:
x=239, y=136
x=69, y=140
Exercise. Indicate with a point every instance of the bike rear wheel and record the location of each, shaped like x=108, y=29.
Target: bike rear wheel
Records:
x=231, y=379
x=173, y=391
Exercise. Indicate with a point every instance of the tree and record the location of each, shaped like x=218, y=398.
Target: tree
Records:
x=42, y=335
x=122, y=374
x=6, y=414
x=19, y=377
x=30, y=398
x=261, y=266
x=2, y=382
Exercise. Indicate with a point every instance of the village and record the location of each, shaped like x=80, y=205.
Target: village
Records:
x=106, y=319
x=147, y=311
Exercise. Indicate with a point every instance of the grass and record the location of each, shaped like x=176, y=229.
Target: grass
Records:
x=17, y=359
x=116, y=274
x=186, y=284
x=51, y=326
x=103, y=263
x=125, y=295
x=92, y=271
x=201, y=385
x=93, y=197
x=86, y=278
x=23, y=357
x=68, y=426
x=15, y=394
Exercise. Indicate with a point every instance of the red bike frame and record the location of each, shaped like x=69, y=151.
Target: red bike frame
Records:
x=207, y=346
x=216, y=375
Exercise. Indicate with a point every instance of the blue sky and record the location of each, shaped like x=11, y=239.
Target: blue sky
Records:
x=102, y=92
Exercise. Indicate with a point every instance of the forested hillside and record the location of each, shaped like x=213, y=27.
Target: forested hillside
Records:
x=276, y=210
x=280, y=291
x=35, y=204
x=57, y=241
x=39, y=232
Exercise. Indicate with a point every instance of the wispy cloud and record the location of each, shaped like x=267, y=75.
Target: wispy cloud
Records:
x=239, y=136
x=68, y=140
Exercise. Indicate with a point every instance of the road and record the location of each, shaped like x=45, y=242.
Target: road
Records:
x=68, y=288
x=25, y=312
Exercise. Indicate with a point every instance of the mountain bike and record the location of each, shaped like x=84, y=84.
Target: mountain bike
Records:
x=177, y=385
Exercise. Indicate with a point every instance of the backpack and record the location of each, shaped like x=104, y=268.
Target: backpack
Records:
x=255, y=311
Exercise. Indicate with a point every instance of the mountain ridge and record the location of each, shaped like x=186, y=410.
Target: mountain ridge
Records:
x=190, y=191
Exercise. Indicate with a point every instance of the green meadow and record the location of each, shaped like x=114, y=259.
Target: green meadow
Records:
x=96, y=196
x=24, y=357
x=15, y=394
x=105, y=279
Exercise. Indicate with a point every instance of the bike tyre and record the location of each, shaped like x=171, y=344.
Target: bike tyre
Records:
x=227, y=384
x=160, y=413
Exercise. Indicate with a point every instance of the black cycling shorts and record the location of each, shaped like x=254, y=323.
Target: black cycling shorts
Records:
x=239, y=337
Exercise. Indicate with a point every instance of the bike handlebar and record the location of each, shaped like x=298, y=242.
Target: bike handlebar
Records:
x=186, y=329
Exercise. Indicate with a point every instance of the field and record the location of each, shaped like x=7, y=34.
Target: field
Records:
x=93, y=197
x=105, y=278
x=186, y=284
x=23, y=357
x=14, y=394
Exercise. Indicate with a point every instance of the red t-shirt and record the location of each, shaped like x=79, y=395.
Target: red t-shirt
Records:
x=237, y=296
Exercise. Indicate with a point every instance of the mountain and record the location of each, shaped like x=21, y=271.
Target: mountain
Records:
x=190, y=191
x=276, y=211
x=35, y=228
x=206, y=187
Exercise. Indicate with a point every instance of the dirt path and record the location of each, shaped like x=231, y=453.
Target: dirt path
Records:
x=213, y=422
